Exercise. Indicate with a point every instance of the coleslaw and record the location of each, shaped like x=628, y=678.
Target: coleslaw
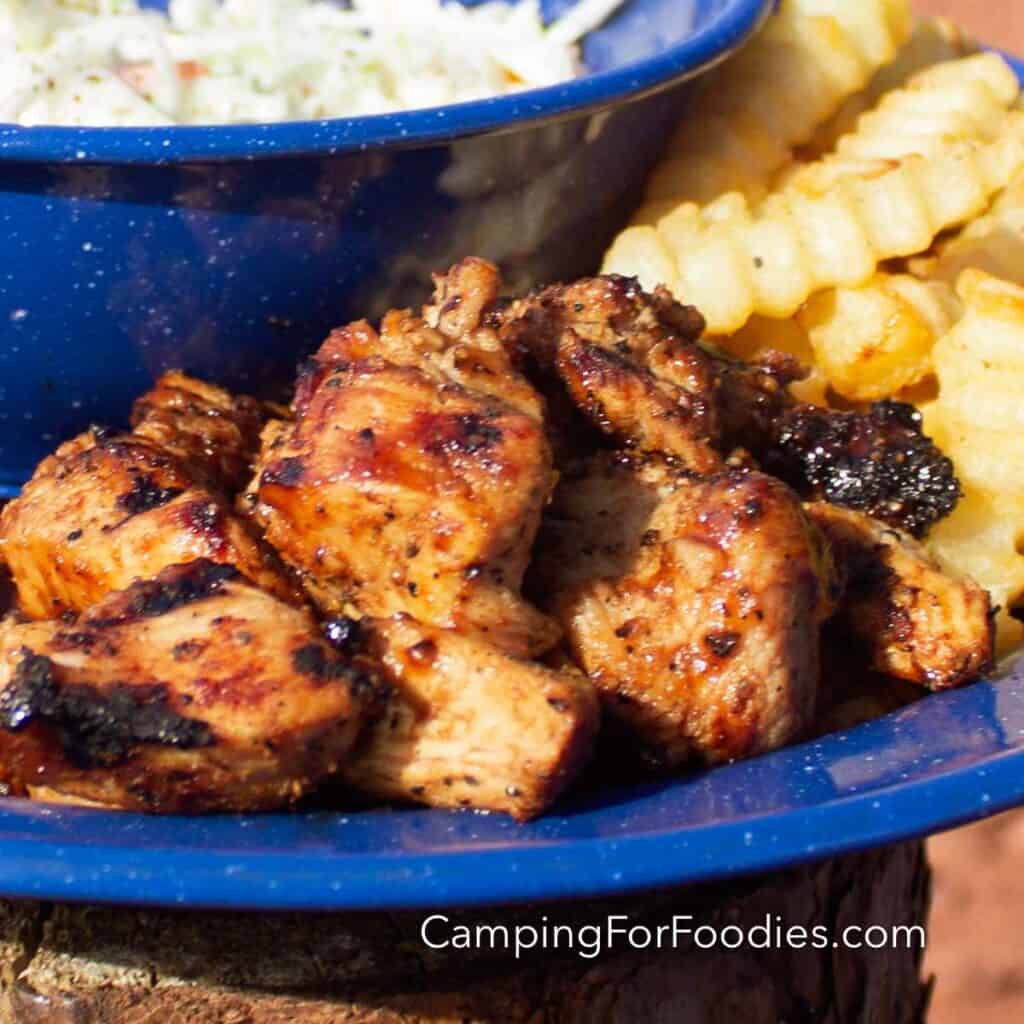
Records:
x=112, y=62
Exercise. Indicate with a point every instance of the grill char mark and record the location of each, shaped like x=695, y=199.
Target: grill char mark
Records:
x=146, y=494
x=96, y=729
x=879, y=462
x=150, y=599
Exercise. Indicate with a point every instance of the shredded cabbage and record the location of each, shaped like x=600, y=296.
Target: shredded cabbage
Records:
x=110, y=62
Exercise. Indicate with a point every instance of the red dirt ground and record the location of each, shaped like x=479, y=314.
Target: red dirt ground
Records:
x=976, y=938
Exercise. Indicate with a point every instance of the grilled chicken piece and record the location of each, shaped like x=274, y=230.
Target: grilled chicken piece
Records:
x=413, y=477
x=191, y=692
x=630, y=360
x=467, y=725
x=466, y=312
x=455, y=341
x=105, y=511
x=214, y=433
x=693, y=604
x=915, y=622
x=108, y=509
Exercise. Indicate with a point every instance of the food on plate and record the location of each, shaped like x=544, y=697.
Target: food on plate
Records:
x=413, y=476
x=465, y=724
x=694, y=604
x=108, y=508
x=116, y=62
x=483, y=532
x=917, y=623
x=191, y=691
x=747, y=116
x=830, y=224
x=476, y=533
x=631, y=363
x=788, y=274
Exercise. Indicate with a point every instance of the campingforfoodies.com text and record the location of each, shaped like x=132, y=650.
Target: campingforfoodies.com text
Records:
x=682, y=931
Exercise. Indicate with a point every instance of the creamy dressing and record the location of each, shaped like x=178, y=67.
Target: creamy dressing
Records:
x=110, y=62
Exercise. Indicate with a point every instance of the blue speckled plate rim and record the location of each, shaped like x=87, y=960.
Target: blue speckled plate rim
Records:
x=158, y=867
x=710, y=43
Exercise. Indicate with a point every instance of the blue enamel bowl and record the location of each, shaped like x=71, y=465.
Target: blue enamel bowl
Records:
x=230, y=251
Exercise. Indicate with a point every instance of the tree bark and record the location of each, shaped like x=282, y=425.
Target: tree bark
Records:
x=98, y=965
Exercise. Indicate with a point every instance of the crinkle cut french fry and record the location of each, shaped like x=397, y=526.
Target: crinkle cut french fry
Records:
x=642, y=252
x=993, y=243
x=980, y=369
x=933, y=41
x=978, y=420
x=960, y=99
x=732, y=261
x=874, y=341
x=745, y=118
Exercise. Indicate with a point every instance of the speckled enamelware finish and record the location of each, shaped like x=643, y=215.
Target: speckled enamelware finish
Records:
x=230, y=251
x=945, y=760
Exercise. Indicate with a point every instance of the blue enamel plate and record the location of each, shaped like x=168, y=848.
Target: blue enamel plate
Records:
x=943, y=761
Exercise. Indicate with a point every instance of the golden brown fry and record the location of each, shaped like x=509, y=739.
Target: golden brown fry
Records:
x=958, y=99
x=927, y=159
x=747, y=116
x=933, y=41
x=874, y=341
x=979, y=365
x=978, y=418
x=993, y=243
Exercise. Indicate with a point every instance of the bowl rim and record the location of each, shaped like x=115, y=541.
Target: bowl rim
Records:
x=711, y=42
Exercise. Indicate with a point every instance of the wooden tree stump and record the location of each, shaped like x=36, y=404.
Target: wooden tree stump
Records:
x=100, y=965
